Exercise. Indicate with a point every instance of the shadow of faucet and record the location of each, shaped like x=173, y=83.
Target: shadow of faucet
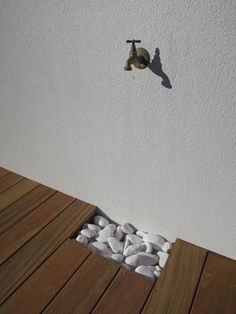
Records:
x=156, y=67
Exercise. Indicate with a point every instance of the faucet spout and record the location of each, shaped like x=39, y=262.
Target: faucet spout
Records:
x=128, y=65
x=132, y=57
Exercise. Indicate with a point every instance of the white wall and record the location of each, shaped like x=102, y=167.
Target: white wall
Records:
x=163, y=159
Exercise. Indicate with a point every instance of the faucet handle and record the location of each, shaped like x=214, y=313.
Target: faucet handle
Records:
x=133, y=41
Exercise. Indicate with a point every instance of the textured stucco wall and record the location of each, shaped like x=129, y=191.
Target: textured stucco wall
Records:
x=70, y=117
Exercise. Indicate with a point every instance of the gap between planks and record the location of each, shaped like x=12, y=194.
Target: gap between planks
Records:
x=9, y=180
x=16, y=191
x=86, y=286
x=175, y=289
x=3, y=172
x=43, y=285
x=26, y=260
x=127, y=293
x=23, y=206
x=216, y=292
x=13, y=239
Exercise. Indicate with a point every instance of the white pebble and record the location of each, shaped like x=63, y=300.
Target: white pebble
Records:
x=144, y=270
x=134, y=239
x=88, y=233
x=132, y=249
x=156, y=240
x=126, y=228
x=92, y=227
x=127, y=243
x=105, y=233
x=100, y=221
x=133, y=260
x=157, y=268
x=141, y=233
x=98, y=247
x=125, y=265
x=115, y=245
x=163, y=256
x=117, y=257
x=118, y=233
x=108, y=253
x=148, y=259
x=166, y=247
x=82, y=239
x=152, y=268
x=147, y=247
x=157, y=273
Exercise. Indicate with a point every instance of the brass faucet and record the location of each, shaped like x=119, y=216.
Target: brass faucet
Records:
x=139, y=57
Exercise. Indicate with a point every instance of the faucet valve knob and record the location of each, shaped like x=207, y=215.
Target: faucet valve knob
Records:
x=133, y=41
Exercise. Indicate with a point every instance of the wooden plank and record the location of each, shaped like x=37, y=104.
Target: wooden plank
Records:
x=174, y=291
x=38, y=290
x=126, y=294
x=16, y=191
x=216, y=292
x=3, y=172
x=18, y=235
x=26, y=204
x=86, y=287
x=8, y=180
x=24, y=262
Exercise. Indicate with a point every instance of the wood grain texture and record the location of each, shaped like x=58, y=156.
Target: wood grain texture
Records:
x=85, y=288
x=3, y=172
x=216, y=292
x=8, y=180
x=126, y=294
x=23, y=206
x=37, y=291
x=174, y=291
x=18, y=235
x=10, y=195
x=22, y=264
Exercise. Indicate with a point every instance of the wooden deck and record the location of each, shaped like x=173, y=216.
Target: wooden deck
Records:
x=43, y=269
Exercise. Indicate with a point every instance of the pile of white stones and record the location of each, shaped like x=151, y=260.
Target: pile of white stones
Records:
x=138, y=251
